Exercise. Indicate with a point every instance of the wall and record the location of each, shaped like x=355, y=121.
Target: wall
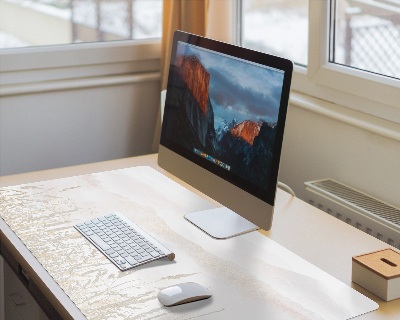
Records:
x=67, y=127
x=317, y=147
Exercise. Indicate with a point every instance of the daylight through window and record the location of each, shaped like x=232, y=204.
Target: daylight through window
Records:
x=365, y=35
x=277, y=27
x=48, y=22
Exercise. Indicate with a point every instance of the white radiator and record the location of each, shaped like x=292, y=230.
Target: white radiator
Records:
x=356, y=208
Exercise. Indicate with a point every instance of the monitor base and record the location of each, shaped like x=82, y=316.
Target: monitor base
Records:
x=220, y=223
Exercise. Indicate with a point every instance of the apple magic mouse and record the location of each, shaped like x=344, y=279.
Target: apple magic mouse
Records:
x=183, y=293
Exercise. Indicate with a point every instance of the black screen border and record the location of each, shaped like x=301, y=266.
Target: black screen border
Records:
x=285, y=65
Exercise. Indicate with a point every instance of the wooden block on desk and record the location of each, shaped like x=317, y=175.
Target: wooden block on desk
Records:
x=378, y=272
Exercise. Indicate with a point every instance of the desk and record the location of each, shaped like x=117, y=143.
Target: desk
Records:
x=313, y=235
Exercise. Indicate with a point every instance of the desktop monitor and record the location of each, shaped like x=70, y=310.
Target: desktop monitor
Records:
x=222, y=130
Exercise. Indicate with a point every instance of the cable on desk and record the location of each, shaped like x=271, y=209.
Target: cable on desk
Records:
x=286, y=188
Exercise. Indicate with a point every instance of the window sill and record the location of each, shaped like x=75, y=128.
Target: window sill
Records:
x=90, y=82
x=37, y=65
x=352, y=117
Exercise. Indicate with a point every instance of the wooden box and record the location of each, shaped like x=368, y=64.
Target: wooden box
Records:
x=378, y=272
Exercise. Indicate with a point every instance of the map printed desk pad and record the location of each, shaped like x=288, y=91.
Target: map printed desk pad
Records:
x=251, y=276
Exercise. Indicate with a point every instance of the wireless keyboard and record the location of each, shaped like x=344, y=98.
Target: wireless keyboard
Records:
x=123, y=242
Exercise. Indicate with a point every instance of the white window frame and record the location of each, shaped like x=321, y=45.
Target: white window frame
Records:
x=363, y=91
x=357, y=97
x=47, y=68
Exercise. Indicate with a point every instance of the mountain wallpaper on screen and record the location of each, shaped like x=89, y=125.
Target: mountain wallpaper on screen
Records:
x=245, y=146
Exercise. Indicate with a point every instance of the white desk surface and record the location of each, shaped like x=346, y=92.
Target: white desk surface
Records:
x=311, y=234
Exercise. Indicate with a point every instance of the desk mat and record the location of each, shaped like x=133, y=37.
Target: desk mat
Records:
x=250, y=276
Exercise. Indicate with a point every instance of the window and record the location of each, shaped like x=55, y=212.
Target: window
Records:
x=345, y=51
x=366, y=35
x=53, y=22
x=277, y=27
x=35, y=56
x=325, y=38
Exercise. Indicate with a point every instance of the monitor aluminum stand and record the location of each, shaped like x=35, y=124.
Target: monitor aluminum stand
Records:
x=220, y=223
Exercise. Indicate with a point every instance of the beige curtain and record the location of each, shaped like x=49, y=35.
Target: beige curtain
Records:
x=184, y=15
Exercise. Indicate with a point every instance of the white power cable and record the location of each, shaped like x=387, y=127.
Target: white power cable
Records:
x=286, y=188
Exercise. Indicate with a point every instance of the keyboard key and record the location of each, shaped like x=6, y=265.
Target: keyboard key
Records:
x=131, y=260
x=154, y=254
x=140, y=259
x=114, y=255
x=109, y=251
x=120, y=260
x=97, y=240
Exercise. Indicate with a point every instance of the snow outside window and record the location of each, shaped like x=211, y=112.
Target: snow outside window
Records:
x=54, y=22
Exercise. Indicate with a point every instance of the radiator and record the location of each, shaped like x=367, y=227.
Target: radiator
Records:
x=356, y=208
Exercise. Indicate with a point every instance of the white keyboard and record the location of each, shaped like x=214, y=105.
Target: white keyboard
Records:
x=123, y=242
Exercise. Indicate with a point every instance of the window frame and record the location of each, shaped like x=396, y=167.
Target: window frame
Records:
x=66, y=66
x=52, y=65
x=363, y=92
x=359, y=90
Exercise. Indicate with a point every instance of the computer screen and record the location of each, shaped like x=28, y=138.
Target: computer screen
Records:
x=223, y=125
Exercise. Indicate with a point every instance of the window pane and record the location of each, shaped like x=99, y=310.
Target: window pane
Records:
x=365, y=34
x=48, y=22
x=278, y=27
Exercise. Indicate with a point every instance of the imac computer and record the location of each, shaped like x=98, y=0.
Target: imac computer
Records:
x=222, y=130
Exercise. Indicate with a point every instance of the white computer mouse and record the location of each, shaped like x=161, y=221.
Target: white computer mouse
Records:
x=183, y=293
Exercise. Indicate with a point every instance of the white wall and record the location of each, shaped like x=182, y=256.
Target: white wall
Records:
x=317, y=147
x=62, y=128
